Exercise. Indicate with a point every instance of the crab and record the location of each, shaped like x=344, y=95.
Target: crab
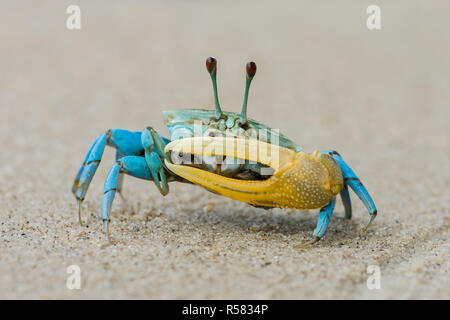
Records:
x=230, y=155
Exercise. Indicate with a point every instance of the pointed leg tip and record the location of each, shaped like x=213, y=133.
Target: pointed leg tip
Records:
x=307, y=243
x=106, y=228
x=362, y=231
x=79, y=212
x=108, y=241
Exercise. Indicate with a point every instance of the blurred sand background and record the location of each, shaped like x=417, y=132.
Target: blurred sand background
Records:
x=381, y=98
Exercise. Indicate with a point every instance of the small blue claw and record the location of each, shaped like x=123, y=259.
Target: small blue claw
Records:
x=130, y=148
x=154, y=145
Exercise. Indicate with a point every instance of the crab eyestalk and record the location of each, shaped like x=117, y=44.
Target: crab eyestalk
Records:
x=211, y=66
x=251, y=71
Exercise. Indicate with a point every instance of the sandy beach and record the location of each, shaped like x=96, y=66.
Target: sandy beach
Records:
x=381, y=98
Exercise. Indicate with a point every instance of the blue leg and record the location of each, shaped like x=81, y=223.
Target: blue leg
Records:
x=127, y=143
x=322, y=224
x=345, y=196
x=132, y=165
x=323, y=220
x=352, y=180
x=80, y=171
x=120, y=179
x=87, y=171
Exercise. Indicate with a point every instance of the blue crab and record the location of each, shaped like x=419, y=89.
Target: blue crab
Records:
x=221, y=151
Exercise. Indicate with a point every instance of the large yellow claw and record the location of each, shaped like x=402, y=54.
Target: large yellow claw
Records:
x=300, y=180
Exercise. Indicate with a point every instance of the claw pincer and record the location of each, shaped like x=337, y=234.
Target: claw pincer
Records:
x=299, y=181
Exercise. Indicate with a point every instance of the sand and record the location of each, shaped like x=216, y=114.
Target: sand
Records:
x=378, y=97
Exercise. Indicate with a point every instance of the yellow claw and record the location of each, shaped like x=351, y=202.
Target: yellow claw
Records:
x=300, y=180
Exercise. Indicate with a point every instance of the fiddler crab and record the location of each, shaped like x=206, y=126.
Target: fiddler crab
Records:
x=228, y=154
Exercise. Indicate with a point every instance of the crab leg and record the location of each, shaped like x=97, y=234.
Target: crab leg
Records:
x=352, y=180
x=345, y=196
x=131, y=165
x=149, y=167
x=134, y=166
x=87, y=171
x=80, y=171
x=324, y=219
x=126, y=143
x=120, y=179
x=322, y=224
